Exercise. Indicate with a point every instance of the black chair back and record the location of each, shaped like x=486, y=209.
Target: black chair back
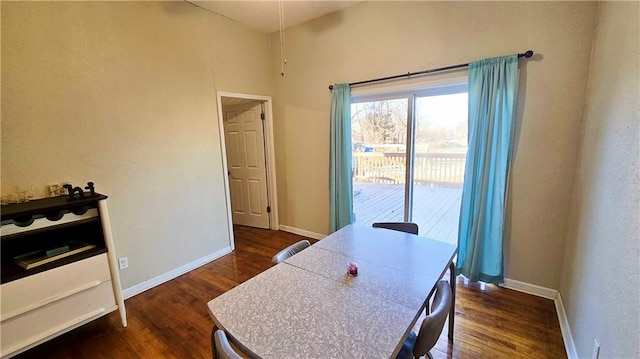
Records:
x=406, y=227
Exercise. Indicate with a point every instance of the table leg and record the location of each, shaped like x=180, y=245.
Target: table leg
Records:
x=452, y=311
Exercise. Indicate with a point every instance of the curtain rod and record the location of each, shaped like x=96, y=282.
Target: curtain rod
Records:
x=527, y=54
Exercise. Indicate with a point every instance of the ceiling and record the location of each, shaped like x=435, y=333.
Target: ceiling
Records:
x=263, y=15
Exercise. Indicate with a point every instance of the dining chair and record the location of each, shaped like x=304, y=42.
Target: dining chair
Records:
x=289, y=251
x=221, y=348
x=406, y=227
x=432, y=325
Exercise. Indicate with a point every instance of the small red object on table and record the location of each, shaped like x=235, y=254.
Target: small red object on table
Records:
x=352, y=269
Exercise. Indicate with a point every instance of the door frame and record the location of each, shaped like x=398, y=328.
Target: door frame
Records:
x=272, y=194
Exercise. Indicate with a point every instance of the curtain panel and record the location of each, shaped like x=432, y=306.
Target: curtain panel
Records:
x=493, y=87
x=340, y=186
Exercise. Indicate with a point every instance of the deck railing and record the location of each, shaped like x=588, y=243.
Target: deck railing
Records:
x=442, y=169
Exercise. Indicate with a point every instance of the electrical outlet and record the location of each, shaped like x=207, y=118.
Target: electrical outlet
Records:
x=124, y=262
x=596, y=349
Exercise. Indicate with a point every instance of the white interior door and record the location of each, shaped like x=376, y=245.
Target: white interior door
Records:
x=244, y=137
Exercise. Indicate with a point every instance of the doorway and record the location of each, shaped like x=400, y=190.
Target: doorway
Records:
x=246, y=137
x=409, y=152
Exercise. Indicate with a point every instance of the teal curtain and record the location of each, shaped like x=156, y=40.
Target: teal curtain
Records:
x=340, y=186
x=493, y=87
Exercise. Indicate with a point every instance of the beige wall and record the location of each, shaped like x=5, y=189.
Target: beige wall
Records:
x=123, y=94
x=601, y=279
x=375, y=39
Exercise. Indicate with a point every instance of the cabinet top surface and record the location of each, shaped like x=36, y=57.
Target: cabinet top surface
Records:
x=30, y=208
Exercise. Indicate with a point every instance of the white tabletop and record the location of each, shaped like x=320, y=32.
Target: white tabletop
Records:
x=307, y=307
x=411, y=254
x=386, y=283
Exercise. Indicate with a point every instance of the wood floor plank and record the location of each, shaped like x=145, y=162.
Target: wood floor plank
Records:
x=172, y=320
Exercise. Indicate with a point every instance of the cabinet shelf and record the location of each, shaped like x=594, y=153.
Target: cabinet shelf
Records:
x=18, y=211
x=87, y=230
x=12, y=271
x=42, y=225
x=63, y=290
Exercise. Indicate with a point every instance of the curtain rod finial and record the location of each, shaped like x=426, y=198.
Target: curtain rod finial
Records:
x=330, y=87
x=527, y=54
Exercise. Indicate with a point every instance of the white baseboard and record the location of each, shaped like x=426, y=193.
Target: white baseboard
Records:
x=148, y=284
x=530, y=289
x=569, y=344
x=302, y=232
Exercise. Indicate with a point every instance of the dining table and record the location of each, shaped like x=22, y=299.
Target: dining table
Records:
x=313, y=306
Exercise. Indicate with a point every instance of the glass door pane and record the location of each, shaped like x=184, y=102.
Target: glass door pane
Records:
x=438, y=164
x=379, y=142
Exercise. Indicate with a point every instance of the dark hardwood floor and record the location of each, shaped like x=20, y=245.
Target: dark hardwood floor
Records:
x=172, y=320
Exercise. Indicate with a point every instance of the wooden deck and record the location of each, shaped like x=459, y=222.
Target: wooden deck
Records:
x=436, y=210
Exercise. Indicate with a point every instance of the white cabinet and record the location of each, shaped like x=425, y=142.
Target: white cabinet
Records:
x=65, y=292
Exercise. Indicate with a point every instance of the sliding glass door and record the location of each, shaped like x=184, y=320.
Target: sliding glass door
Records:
x=409, y=154
x=438, y=164
x=379, y=139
